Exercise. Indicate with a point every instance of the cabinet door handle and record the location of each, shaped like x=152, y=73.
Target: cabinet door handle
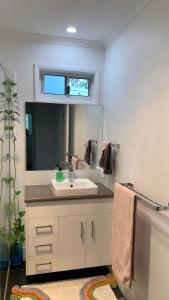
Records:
x=81, y=234
x=92, y=229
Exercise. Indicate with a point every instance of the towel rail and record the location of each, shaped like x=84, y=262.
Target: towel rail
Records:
x=145, y=200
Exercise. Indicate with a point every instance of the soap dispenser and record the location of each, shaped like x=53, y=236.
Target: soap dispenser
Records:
x=59, y=175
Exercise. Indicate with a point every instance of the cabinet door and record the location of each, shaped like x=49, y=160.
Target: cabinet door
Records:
x=72, y=240
x=99, y=237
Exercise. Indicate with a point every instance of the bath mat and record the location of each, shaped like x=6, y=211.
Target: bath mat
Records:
x=99, y=288
x=28, y=293
x=106, y=288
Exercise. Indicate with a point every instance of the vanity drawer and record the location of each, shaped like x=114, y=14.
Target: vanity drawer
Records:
x=42, y=227
x=42, y=246
x=40, y=265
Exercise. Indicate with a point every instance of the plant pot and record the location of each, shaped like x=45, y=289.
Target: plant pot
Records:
x=16, y=254
x=4, y=255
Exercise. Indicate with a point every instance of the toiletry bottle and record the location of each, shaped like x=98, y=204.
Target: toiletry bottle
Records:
x=59, y=175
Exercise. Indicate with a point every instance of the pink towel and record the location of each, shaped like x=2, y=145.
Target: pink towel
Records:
x=104, y=145
x=123, y=228
x=74, y=162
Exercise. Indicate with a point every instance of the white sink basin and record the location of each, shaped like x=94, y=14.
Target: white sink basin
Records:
x=79, y=186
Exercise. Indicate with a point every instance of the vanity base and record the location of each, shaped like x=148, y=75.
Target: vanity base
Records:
x=65, y=275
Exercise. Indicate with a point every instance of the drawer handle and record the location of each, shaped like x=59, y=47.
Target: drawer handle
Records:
x=92, y=229
x=44, y=227
x=45, y=245
x=43, y=264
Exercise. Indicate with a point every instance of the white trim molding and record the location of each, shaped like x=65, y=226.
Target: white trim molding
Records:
x=49, y=39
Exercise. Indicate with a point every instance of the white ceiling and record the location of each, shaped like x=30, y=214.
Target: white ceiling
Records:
x=96, y=20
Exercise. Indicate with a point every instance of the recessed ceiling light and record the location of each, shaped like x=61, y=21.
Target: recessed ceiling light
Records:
x=71, y=29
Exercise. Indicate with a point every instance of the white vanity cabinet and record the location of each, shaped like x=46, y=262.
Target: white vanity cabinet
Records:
x=72, y=242
x=68, y=234
x=98, y=243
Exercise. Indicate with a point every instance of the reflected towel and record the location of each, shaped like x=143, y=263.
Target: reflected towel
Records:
x=123, y=228
x=88, y=152
x=74, y=162
x=104, y=145
x=106, y=160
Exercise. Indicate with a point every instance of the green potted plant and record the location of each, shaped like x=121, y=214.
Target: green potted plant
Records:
x=17, y=239
x=11, y=217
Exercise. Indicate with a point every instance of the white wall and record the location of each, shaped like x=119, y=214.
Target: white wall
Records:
x=136, y=99
x=20, y=56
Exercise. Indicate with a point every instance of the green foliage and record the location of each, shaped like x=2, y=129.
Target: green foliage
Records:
x=4, y=235
x=12, y=229
x=8, y=179
x=9, y=209
x=6, y=128
x=16, y=235
x=15, y=95
x=7, y=156
x=8, y=82
x=17, y=193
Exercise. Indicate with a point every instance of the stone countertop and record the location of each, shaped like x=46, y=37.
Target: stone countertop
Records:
x=38, y=193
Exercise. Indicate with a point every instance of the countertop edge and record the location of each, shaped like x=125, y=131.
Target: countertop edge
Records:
x=103, y=192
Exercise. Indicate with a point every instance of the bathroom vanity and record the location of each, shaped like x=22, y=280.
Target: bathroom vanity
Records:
x=67, y=232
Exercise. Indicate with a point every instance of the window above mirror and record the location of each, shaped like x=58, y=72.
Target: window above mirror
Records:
x=53, y=84
x=65, y=85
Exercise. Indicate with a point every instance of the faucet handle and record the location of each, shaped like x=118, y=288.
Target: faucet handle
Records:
x=68, y=155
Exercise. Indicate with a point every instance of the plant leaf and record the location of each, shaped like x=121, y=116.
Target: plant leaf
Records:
x=15, y=95
x=21, y=213
x=8, y=179
x=17, y=193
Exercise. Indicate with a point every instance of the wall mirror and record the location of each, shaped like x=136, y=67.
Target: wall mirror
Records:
x=56, y=132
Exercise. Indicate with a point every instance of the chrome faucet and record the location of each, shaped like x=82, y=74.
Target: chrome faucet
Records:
x=71, y=174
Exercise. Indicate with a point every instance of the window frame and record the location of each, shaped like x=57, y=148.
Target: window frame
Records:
x=66, y=83
x=92, y=74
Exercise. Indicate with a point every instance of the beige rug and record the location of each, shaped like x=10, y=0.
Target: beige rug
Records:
x=70, y=290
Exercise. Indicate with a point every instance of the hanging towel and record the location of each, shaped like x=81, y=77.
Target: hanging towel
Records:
x=106, y=160
x=74, y=162
x=88, y=153
x=104, y=145
x=123, y=228
x=114, y=151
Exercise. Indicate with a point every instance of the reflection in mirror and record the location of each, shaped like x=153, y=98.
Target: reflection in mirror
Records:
x=45, y=135
x=52, y=130
x=85, y=133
